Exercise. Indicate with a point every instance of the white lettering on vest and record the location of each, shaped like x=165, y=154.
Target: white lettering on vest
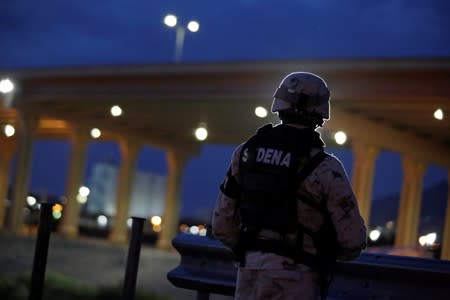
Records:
x=268, y=156
x=286, y=160
x=245, y=155
x=273, y=157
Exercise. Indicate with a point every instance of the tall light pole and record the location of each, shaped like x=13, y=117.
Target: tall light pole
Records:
x=7, y=89
x=192, y=26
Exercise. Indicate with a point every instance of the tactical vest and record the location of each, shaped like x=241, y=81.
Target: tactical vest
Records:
x=268, y=168
x=272, y=165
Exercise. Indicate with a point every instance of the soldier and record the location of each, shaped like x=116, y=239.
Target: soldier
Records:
x=286, y=207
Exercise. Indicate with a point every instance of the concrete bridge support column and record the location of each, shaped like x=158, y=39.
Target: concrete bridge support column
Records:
x=176, y=159
x=7, y=149
x=77, y=164
x=25, y=131
x=445, y=252
x=363, y=175
x=129, y=150
x=410, y=201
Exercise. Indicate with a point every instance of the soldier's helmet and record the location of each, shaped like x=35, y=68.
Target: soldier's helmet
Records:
x=304, y=95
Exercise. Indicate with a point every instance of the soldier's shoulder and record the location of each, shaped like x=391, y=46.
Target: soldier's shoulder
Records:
x=332, y=162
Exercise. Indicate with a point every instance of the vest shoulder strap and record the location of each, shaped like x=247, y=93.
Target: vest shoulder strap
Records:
x=311, y=165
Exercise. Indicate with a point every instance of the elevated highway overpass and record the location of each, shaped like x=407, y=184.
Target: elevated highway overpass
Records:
x=383, y=104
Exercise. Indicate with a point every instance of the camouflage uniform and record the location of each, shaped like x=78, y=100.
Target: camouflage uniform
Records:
x=271, y=276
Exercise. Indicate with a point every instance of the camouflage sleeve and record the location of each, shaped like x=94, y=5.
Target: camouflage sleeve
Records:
x=343, y=208
x=225, y=224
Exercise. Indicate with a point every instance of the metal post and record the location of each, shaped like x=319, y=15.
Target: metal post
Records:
x=134, y=251
x=40, y=252
x=179, y=43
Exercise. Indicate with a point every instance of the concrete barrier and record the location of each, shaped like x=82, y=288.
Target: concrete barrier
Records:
x=207, y=267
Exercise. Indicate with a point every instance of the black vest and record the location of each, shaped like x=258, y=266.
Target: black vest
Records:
x=268, y=168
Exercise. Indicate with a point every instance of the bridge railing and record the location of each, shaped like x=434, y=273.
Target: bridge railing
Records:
x=207, y=267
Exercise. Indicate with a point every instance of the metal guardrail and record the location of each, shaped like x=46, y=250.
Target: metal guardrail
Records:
x=207, y=267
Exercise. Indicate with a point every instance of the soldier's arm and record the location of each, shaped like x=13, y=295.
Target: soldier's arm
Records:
x=343, y=208
x=225, y=222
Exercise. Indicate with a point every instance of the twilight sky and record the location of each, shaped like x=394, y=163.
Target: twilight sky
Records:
x=48, y=34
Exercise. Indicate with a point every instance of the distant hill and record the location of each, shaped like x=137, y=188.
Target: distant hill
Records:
x=434, y=204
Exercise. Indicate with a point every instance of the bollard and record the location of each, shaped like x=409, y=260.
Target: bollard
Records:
x=40, y=252
x=134, y=251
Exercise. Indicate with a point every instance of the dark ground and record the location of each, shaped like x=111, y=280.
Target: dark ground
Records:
x=94, y=262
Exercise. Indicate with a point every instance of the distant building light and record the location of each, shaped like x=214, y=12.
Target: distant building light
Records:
x=81, y=199
x=374, y=235
x=184, y=228
x=84, y=191
x=6, y=86
x=193, y=26
x=340, y=137
x=57, y=207
x=428, y=240
x=95, y=133
x=9, y=130
x=31, y=200
x=201, y=133
x=102, y=220
x=260, y=112
x=57, y=215
x=156, y=220
x=116, y=111
x=438, y=114
x=194, y=229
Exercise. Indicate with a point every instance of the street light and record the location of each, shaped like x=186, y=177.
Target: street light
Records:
x=7, y=89
x=192, y=26
x=6, y=86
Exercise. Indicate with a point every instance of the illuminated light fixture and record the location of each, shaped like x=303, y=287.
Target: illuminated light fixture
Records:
x=438, y=114
x=374, y=235
x=9, y=130
x=81, y=199
x=102, y=220
x=57, y=211
x=201, y=133
x=116, y=111
x=6, y=86
x=260, y=112
x=340, y=137
x=194, y=230
x=31, y=200
x=84, y=191
x=193, y=26
x=156, y=220
x=57, y=207
x=129, y=222
x=56, y=215
x=156, y=228
x=202, y=232
x=428, y=240
x=95, y=133
x=170, y=20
